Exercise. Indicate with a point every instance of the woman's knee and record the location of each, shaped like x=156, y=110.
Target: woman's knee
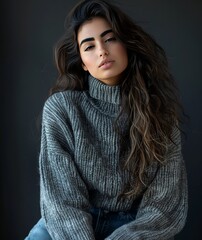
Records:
x=39, y=232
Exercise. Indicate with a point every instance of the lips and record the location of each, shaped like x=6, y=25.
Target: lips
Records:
x=104, y=62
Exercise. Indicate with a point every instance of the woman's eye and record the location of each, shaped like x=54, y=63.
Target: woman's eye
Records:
x=110, y=39
x=88, y=48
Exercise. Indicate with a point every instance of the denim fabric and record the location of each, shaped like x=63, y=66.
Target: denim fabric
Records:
x=39, y=232
x=104, y=223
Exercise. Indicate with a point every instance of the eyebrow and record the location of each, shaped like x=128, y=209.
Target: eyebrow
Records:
x=91, y=38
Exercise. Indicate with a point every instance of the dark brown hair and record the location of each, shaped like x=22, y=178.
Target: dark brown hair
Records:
x=149, y=94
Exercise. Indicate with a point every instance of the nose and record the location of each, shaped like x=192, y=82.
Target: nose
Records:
x=103, y=51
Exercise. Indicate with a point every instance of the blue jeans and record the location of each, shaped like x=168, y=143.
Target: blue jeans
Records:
x=104, y=223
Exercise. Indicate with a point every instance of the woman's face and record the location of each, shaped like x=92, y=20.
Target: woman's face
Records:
x=103, y=56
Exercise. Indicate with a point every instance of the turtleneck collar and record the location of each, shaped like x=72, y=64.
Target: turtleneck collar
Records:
x=103, y=92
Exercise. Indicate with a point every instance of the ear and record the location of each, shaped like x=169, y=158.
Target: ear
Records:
x=84, y=67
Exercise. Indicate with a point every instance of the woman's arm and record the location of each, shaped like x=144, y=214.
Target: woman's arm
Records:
x=163, y=210
x=64, y=196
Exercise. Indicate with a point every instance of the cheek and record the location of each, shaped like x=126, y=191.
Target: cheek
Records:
x=123, y=54
x=87, y=61
x=120, y=50
x=123, y=51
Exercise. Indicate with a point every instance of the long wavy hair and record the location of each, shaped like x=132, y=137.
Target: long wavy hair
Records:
x=149, y=93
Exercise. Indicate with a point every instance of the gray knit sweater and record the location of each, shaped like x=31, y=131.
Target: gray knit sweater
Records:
x=79, y=169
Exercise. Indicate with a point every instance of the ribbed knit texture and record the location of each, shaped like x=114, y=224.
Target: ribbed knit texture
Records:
x=79, y=169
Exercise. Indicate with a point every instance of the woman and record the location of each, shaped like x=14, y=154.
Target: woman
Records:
x=110, y=163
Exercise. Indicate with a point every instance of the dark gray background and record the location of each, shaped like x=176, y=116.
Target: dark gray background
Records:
x=29, y=30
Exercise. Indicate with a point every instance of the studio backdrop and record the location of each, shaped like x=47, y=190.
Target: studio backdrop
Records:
x=29, y=30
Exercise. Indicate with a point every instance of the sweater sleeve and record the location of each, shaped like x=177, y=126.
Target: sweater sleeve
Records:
x=163, y=209
x=63, y=194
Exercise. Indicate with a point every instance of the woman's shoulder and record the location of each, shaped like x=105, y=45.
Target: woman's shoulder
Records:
x=63, y=104
x=65, y=98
